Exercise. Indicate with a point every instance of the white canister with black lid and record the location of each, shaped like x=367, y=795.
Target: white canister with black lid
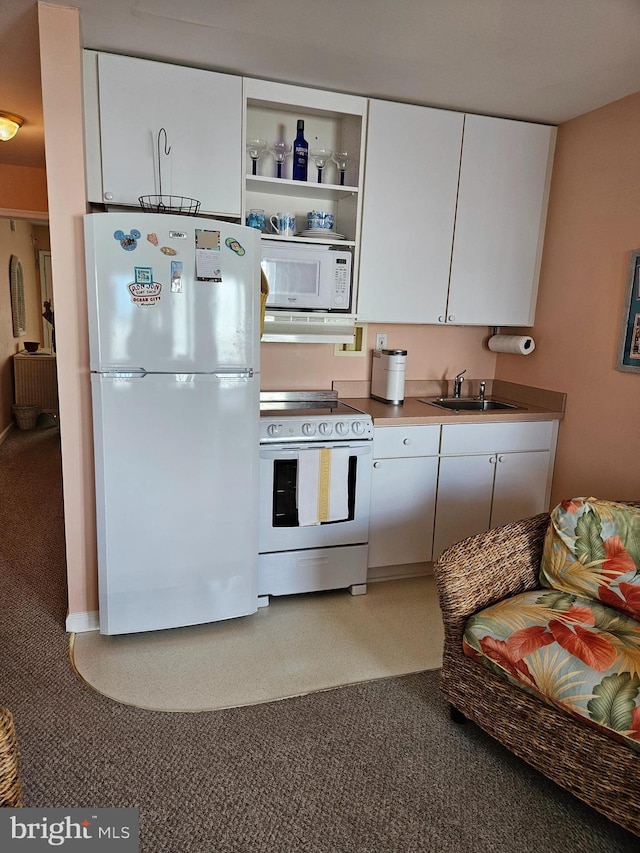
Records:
x=387, y=375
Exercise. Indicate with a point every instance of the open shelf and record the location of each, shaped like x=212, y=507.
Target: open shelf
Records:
x=299, y=189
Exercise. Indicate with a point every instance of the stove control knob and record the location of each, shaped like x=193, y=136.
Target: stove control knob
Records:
x=308, y=429
x=342, y=428
x=358, y=427
x=274, y=430
x=325, y=428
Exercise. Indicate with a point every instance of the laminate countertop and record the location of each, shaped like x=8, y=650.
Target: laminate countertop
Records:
x=533, y=404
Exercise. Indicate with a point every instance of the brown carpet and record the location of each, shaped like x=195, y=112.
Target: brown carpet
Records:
x=368, y=768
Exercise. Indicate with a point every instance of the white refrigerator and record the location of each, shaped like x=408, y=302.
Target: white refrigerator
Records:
x=173, y=309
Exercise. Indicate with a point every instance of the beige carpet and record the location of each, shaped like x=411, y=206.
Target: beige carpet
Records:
x=299, y=644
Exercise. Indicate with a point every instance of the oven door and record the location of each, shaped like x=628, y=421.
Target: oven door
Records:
x=279, y=529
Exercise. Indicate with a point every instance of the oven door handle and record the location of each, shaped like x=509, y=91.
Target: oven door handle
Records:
x=292, y=452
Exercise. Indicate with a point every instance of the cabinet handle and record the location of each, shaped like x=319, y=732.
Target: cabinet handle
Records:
x=377, y=464
x=406, y=441
x=501, y=459
x=441, y=319
x=451, y=318
x=493, y=460
x=108, y=196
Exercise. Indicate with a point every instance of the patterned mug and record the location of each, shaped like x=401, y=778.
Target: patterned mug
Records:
x=284, y=224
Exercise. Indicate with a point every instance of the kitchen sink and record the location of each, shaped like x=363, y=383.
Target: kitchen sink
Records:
x=467, y=404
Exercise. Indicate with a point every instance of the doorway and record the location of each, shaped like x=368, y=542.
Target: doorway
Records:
x=46, y=294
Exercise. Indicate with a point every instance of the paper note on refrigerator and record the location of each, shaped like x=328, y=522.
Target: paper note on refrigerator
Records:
x=208, y=255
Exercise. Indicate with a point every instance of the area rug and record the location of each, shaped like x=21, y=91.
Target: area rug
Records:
x=299, y=644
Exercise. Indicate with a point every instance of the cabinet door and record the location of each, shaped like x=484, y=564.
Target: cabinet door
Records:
x=465, y=488
x=402, y=510
x=502, y=203
x=410, y=187
x=201, y=112
x=520, y=489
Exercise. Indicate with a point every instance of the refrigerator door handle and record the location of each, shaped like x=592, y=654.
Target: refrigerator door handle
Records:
x=234, y=373
x=120, y=371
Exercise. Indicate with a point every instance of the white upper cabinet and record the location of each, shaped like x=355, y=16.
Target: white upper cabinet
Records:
x=502, y=205
x=201, y=112
x=411, y=184
x=453, y=220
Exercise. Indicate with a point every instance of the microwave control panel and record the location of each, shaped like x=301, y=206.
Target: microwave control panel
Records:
x=341, y=283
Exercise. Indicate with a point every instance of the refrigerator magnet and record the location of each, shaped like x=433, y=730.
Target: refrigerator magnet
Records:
x=208, y=255
x=207, y=239
x=176, y=276
x=153, y=239
x=128, y=241
x=145, y=295
x=143, y=275
x=232, y=243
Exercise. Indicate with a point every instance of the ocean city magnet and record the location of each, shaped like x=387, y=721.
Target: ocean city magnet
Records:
x=233, y=244
x=128, y=241
x=145, y=295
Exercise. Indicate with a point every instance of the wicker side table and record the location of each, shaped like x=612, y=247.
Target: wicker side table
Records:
x=10, y=781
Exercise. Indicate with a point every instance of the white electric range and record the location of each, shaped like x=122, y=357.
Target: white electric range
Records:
x=315, y=484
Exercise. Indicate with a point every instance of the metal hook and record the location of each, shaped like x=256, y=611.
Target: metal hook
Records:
x=167, y=147
x=167, y=151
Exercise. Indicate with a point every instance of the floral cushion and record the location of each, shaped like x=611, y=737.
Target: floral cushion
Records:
x=574, y=652
x=592, y=548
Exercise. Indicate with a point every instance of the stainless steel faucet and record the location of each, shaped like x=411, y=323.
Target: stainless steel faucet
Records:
x=483, y=388
x=457, y=384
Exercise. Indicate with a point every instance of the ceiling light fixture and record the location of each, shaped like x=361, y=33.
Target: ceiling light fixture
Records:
x=9, y=125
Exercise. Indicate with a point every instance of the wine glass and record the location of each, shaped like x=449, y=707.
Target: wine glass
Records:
x=280, y=151
x=320, y=157
x=341, y=159
x=255, y=147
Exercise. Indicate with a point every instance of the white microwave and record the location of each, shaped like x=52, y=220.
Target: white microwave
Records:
x=306, y=278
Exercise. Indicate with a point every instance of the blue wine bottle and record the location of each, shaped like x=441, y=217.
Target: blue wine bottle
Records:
x=300, y=154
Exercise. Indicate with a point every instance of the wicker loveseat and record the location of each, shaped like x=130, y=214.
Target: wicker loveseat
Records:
x=492, y=568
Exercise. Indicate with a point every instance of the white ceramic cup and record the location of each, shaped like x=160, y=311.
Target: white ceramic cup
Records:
x=284, y=224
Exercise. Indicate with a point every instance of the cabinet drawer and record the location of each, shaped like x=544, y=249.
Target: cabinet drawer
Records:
x=395, y=442
x=490, y=438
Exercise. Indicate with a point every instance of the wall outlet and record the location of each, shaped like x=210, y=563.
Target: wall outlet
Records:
x=381, y=341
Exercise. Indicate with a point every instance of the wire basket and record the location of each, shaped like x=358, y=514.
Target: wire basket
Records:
x=170, y=204
x=26, y=416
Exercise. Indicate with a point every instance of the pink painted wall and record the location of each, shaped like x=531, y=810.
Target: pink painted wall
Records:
x=433, y=352
x=61, y=68
x=23, y=188
x=593, y=224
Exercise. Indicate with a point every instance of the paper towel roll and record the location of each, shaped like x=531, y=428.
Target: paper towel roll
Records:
x=519, y=344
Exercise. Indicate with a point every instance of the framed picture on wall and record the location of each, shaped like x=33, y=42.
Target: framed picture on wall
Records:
x=629, y=349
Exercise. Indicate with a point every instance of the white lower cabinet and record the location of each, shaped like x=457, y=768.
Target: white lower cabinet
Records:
x=490, y=475
x=434, y=485
x=403, y=494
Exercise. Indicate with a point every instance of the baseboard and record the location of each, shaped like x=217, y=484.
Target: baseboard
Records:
x=5, y=432
x=406, y=570
x=79, y=623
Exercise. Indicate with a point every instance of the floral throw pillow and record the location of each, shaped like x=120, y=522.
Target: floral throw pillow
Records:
x=592, y=548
